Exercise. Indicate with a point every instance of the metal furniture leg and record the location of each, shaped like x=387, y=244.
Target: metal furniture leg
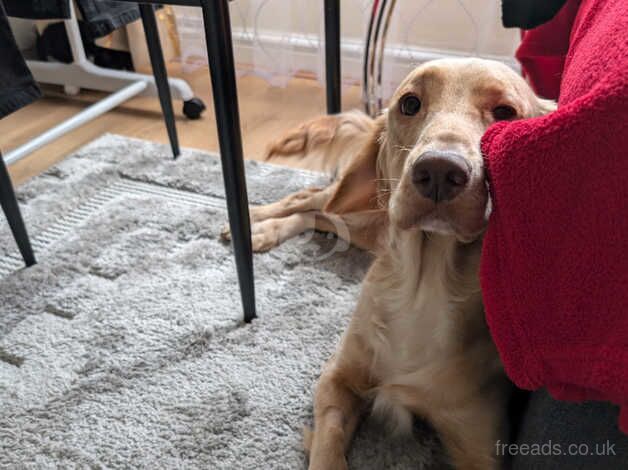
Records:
x=220, y=54
x=12, y=212
x=160, y=73
x=332, y=55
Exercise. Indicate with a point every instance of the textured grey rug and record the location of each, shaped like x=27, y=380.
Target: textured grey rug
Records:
x=123, y=347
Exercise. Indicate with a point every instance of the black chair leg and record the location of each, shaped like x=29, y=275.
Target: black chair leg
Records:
x=12, y=211
x=222, y=70
x=332, y=55
x=160, y=73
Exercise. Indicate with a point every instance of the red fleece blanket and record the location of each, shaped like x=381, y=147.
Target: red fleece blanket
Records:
x=554, y=268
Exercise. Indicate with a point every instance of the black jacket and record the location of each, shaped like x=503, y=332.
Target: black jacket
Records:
x=101, y=16
x=17, y=87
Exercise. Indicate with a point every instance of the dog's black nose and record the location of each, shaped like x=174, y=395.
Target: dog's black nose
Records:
x=439, y=175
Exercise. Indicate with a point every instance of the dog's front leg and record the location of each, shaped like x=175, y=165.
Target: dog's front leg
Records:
x=470, y=433
x=337, y=411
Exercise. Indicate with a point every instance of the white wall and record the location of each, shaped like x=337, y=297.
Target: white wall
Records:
x=459, y=25
x=280, y=37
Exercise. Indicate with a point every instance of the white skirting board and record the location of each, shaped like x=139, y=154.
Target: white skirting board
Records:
x=307, y=55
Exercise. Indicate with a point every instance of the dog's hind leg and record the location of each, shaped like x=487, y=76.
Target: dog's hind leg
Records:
x=310, y=199
x=304, y=201
x=272, y=232
x=325, y=143
x=362, y=229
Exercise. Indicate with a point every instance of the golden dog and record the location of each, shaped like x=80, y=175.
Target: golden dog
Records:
x=412, y=188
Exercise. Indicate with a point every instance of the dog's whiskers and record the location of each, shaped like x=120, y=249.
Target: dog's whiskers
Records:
x=403, y=148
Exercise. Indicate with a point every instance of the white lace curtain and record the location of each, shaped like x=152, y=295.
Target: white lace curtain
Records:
x=278, y=39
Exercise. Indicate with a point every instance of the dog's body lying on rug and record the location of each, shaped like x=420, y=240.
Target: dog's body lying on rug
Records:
x=415, y=193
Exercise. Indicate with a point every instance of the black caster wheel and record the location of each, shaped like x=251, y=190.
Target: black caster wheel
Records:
x=192, y=109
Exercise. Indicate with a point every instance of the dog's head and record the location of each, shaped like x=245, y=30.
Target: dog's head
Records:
x=423, y=160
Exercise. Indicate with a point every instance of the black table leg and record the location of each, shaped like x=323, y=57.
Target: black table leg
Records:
x=222, y=69
x=160, y=73
x=332, y=55
x=12, y=211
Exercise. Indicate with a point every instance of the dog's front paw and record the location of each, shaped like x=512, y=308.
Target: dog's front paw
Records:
x=225, y=233
x=263, y=242
x=264, y=235
x=328, y=463
x=324, y=452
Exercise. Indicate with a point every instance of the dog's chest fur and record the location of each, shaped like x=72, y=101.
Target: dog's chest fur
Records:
x=429, y=314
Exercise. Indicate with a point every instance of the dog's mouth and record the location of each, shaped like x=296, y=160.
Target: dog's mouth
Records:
x=436, y=223
x=442, y=192
x=466, y=230
x=464, y=217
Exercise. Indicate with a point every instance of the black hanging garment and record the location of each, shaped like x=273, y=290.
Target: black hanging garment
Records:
x=17, y=86
x=98, y=18
x=101, y=16
x=528, y=14
x=38, y=9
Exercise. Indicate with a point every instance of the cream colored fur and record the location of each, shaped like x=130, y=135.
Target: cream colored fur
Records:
x=417, y=343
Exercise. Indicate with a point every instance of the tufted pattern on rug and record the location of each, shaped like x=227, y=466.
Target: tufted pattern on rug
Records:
x=124, y=346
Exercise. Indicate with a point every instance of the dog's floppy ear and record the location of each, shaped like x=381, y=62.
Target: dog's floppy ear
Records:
x=544, y=106
x=357, y=189
x=533, y=105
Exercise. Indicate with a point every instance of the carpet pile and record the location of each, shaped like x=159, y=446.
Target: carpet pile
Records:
x=124, y=347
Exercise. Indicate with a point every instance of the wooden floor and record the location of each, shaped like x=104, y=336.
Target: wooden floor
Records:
x=265, y=111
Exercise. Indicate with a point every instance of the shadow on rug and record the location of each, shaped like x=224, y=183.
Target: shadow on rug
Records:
x=124, y=348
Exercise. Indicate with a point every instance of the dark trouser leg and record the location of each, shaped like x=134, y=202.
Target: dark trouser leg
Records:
x=220, y=54
x=12, y=211
x=160, y=73
x=332, y=55
x=574, y=436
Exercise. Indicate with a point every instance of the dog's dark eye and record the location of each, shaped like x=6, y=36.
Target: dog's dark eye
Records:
x=504, y=113
x=410, y=105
